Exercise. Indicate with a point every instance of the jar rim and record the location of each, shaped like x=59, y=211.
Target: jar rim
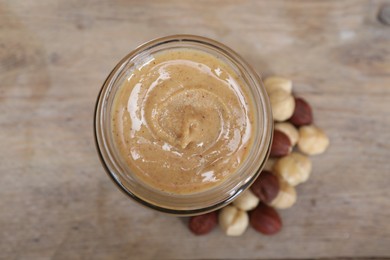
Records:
x=110, y=163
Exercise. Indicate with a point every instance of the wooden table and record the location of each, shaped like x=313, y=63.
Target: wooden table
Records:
x=56, y=201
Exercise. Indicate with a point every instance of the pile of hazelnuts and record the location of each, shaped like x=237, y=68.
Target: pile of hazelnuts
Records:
x=294, y=139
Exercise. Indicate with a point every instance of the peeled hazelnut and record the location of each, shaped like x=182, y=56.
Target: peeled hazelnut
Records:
x=203, y=224
x=282, y=104
x=265, y=220
x=294, y=168
x=312, y=140
x=302, y=113
x=233, y=221
x=275, y=83
x=269, y=164
x=266, y=186
x=289, y=130
x=281, y=144
x=246, y=201
x=286, y=197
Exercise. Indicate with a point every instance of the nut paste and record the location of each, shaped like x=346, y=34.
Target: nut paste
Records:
x=183, y=121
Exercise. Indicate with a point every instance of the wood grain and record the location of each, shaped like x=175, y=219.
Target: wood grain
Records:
x=56, y=201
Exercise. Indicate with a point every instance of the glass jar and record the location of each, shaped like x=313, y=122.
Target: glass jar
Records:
x=195, y=203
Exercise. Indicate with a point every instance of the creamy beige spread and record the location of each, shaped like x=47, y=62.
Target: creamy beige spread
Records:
x=183, y=121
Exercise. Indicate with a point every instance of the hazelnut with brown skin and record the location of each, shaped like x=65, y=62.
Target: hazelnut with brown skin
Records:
x=203, y=224
x=302, y=113
x=281, y=144
x=266, y=186
x=265, y=220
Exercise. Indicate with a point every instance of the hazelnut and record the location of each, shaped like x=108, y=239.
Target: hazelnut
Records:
x=312, y=140
x=275, y=83
x=282, y=104
x=294, y=168
x=233, y=221
x=265, y=219
x=269, y=164
x=281, y=144
x=203, y=224
x=266, y=186
x=246, y=201
x=302, y=113
x=289, y=130
x=286, y=197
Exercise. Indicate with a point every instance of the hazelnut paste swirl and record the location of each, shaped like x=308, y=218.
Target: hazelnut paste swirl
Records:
x=182, y=121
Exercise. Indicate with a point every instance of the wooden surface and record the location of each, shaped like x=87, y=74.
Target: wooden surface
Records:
x=56, y=201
